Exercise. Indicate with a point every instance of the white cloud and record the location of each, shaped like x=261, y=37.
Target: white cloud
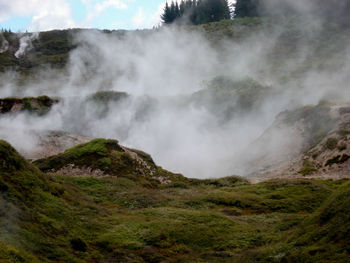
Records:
x=57, y=14
x=139, y=19
x=53, y=14
x=155, y=18
x=100, y=7
x=95, y=9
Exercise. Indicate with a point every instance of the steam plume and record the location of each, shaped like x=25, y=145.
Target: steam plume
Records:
x=25, y=44
x=173, y=110
x=4, y=44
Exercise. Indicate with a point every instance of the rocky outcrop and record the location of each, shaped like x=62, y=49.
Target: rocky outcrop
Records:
x=39, y=105
x=310, y=142
x=103, y=158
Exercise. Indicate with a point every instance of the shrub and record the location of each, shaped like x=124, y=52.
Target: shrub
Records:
x=78, y=244
x=308, y=168
x=339, y=159
x=331, y=143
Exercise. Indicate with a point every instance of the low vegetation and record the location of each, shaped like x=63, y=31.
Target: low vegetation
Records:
x=318, y=122
x=120, y=218
x=331, y=143
x=226, y=98
x=122, y=207
x=308, y=168
x=39, y=105
x=339, y=159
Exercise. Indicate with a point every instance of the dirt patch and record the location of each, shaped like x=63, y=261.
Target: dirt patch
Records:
x=54, y=142
x=72, y=170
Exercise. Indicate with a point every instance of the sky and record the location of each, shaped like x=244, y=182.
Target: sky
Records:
x=42, y=15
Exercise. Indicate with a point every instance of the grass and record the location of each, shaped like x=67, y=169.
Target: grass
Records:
x=95, y=153
x=322, y=237
x=308, y=168
x=55, y=218
x=131, y=217
x=344, y=133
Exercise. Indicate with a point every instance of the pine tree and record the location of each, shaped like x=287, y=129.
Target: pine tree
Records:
x=166, y=16
x=189, y=4
x=177, y=10
x=246, y=8
x=172, y=12
x=182, y=7
x=226, y=10
x=212, y=10
x=197, y=11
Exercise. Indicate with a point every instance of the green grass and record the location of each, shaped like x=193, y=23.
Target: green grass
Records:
x=54, y=218
x=308, y=168
x=131, y=217
x=344, y=133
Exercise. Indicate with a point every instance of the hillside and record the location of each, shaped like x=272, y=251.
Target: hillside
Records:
x=53, y=47
x=318, y=145
x=224, y=142
x=123, y=218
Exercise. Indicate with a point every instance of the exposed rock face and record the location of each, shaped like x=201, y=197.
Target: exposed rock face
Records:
x=54, y=142
x=331, y=157
x=71, y=170
x=311, y=142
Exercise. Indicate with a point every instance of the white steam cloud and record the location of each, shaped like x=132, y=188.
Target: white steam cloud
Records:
x=4, y=44
x=25, y=44
x=169, y=112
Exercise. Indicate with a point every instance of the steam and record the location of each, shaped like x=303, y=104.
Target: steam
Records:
x=4, y=44
x=25, y=44
x=170, y=111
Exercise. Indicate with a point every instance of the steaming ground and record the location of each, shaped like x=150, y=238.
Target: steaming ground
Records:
x=161, y=70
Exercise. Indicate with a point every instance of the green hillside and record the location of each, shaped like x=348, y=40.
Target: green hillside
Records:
x=103, y=202
x=129, y=217
x=53, y=47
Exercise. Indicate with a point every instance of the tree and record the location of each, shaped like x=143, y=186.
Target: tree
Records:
x=196, y=11
x=172, y=12
x=212, y=10
x=247, y=8
x=182, y=7
x=166, y=16
x=177, y=11
x=226, y=10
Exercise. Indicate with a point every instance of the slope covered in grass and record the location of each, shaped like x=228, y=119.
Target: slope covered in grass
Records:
x=101, y=157
x=325, y=235
x=56, y=218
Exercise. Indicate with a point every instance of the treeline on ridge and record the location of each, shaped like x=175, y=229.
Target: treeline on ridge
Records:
x=196, y=12
x=336, y=11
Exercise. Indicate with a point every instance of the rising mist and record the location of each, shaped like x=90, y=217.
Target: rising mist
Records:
x=166, y=73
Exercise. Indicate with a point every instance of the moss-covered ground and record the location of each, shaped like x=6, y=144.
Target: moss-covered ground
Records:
x=55, y=218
